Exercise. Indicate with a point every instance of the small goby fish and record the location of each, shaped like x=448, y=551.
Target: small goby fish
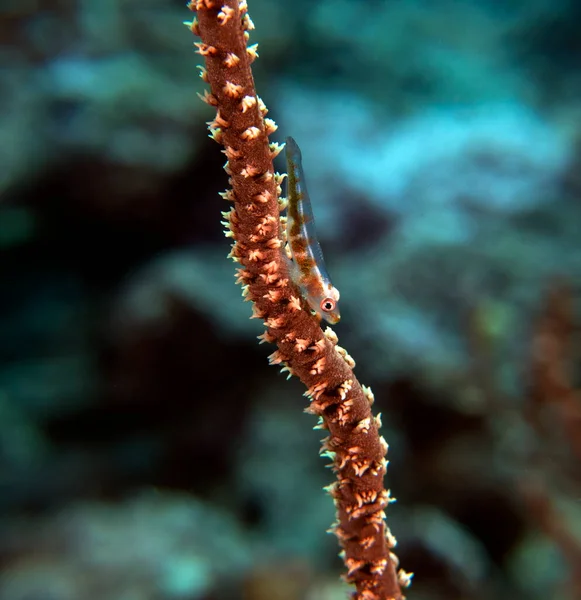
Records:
x=307, y=267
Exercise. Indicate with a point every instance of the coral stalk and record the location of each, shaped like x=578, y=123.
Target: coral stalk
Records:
x=341, y=403
x=552, y=367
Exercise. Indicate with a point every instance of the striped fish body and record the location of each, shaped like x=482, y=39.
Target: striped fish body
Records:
x=308, y=269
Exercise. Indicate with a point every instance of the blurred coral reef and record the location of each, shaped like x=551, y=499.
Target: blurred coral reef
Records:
x=146, y=449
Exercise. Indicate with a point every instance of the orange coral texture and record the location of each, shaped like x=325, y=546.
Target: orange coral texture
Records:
x=342, y=405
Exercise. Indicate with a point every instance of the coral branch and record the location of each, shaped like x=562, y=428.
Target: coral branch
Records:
x=552, y=367
x=354, y=444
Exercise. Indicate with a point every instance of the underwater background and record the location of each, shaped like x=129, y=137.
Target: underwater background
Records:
x=147, y=451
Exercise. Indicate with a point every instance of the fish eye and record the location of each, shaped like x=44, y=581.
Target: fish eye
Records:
x=327, y=304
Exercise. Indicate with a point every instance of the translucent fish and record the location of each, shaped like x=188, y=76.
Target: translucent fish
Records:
x=308, y=269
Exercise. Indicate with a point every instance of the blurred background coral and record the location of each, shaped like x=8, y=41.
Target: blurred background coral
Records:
x=147, y=451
